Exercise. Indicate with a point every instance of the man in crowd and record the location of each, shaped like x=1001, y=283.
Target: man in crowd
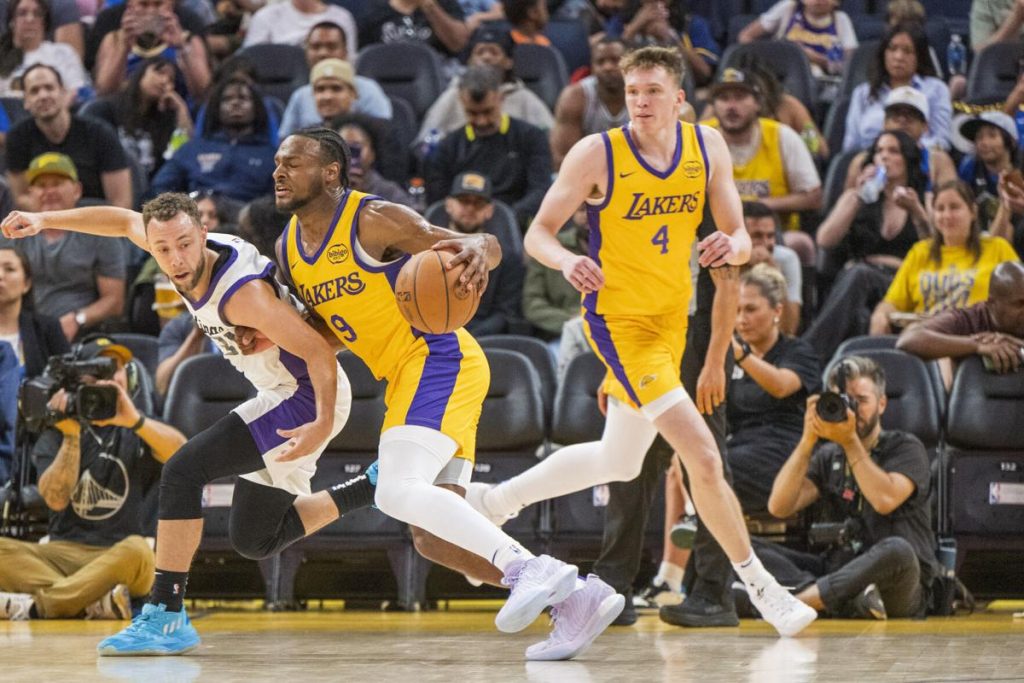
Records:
x=92, y=145
x=76, y=278
x=763, y=226
x=93, y=477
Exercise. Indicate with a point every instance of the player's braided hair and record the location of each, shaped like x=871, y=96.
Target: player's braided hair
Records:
x=332, y=149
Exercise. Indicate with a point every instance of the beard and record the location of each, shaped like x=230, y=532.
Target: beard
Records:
x=865, y=428
x=298, y=202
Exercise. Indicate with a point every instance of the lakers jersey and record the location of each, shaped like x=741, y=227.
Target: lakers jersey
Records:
x=642, y=233
x=352, y=292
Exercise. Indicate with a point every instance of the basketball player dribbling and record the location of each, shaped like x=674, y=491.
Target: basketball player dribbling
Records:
x=342, y=252
x=645, y=186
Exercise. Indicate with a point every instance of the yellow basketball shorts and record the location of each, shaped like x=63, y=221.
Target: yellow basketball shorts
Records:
x=441, y=384
x=643, y=353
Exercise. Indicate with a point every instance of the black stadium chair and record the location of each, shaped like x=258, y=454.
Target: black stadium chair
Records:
x=543, y=71
x=985, y=455
x=540, y=358
x=411, y=71
x=786, y=60
x=835, y=125
x=835, y=179
x=571, y=40
x=855, y=345
x=403, y=122
x=144, y=347
x=280, y=69
x=503, y=225
x=994, y=71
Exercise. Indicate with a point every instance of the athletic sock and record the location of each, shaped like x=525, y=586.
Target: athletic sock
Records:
x=671, y=575
x=169, y=589
x=752, y=573
x=352, y=495
x=509, y=555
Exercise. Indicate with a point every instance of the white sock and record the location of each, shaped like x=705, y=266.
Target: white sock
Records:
x=410, y=460
x=671, y=575
x=752, y=573
x=618, y=456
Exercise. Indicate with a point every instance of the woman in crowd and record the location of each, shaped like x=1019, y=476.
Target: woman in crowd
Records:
x=951, y=269
x=773, y=376
x=33, y=336
x=24, y=44
x=150, y=117
x=362, y=135
x=871, y=228
x=902, y=59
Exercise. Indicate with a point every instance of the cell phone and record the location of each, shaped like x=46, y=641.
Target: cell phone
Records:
x=1016, y=178
x=356, y=151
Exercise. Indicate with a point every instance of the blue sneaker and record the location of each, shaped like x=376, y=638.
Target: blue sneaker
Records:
x=154, y=632
x=371, y=472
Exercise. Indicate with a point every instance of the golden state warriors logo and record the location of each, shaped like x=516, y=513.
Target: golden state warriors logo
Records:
x=692, y=169
x=337, y=253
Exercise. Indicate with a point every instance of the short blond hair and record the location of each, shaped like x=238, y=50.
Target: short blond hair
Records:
x=653, y=56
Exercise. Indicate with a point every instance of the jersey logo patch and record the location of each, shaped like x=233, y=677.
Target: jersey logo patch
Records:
x=337, y=253
x=647, y=379
x=692, y=169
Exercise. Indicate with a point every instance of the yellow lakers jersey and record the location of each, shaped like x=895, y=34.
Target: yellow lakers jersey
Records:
x=642, y=233
x=353, y=294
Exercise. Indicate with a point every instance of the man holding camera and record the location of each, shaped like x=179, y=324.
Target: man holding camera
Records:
x=876, y=483
x=93, y=476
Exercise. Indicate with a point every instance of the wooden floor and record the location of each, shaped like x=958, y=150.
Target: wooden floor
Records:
x=461, y=646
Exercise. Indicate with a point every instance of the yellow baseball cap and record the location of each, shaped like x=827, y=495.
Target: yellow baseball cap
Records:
x=51, y=163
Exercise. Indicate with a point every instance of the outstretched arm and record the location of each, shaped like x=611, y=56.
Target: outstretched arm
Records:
x=105, y=221
x=255, y=305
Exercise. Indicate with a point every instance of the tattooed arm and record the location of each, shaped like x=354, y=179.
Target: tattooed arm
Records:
x=712, y=381
x=59, y=479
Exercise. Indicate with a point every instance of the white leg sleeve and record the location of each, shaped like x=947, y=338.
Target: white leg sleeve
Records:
x=618, y=456
x=410, y=460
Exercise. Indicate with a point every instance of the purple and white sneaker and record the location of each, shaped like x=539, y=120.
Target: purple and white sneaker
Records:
x=535, y=583
x=579, y=620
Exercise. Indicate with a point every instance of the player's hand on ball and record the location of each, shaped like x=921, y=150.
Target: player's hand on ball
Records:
x=582, y=273
x=20, y=224
x=472, y=253
x=304, y=439
x=715, y=250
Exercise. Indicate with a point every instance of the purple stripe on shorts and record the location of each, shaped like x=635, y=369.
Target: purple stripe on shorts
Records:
x=594, y=223
x=296, y=410
x=437, y=381
x=606, y=347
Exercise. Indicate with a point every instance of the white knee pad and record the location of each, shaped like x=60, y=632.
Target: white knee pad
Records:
x=410, y=456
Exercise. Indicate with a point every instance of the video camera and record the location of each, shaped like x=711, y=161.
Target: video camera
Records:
x=86, y=402
x=832, y=405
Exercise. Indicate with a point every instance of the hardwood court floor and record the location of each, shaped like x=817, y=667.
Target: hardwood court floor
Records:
x=462, y=646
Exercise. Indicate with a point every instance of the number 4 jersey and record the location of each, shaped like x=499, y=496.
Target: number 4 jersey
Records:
x=642, y=233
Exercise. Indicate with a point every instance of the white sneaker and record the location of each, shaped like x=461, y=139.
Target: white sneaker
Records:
x=475, y=497
x=535, y=583
x=578, y=620
x=15, y=606
x=117, y=604
x=782, y=610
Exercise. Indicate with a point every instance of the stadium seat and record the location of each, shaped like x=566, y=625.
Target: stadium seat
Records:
x=994, y=71
x=866, y=342
x=985, y=461
x=858, y=67
x=571, y=40
x=280, y=69
x=543, y=70
x=835, y=125
x=540, y=358
x=578, y=518
x=144, y=347
x=735, y=26
x=404, y=125
x=411, y=71
x=786, y=60
x=835, y=179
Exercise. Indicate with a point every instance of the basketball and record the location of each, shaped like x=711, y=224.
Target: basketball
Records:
x=426, y=293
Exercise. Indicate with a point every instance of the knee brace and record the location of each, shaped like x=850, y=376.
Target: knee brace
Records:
x=263, y=520
x=181, y=485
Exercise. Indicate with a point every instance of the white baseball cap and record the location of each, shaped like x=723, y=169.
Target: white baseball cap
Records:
x=908, y=96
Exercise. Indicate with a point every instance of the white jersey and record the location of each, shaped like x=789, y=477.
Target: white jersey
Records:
x=285, y=397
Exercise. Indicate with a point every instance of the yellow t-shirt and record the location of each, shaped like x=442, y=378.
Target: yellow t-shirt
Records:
x=925, y=287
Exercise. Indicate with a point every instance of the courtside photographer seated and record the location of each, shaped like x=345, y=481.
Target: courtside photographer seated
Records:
x=875, y=546
x=96, y=456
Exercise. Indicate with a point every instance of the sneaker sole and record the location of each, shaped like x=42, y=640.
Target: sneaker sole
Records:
x=691, y=620
x=798, y=625
x=607, y=612
x=683, y=538
x=111, y=652
x=557, y=588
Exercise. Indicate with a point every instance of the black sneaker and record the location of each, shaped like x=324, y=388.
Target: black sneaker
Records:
x=699, y=612
x=627, y=617
x=683, y=532
x=657, y=595
x=869, y=605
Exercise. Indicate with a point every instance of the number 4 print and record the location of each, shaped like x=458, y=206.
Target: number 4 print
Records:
x=660, y=239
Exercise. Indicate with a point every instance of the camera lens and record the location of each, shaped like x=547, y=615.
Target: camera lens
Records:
x=831, y=407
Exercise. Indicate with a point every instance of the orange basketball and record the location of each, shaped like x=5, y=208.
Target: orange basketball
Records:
x=426, y=293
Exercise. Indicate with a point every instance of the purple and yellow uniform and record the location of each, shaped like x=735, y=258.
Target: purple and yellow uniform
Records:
x=437, y=381
x=642, y=236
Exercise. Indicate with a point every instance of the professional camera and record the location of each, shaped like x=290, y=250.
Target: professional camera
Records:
x=85, y=401
x=846, y=534
x=832, y=405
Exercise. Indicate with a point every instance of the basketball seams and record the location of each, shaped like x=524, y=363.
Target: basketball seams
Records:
x=445, y=287
x=415, y=292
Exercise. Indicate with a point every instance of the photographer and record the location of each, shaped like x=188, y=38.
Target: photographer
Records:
x=92, y=477
x=876, y=483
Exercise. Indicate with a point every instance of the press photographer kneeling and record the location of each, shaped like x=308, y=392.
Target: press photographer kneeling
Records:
x=95, y=456
x=874, y=486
